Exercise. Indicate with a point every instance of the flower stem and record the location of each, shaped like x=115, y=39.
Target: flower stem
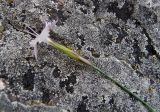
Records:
x=102, y=74
x=75, y=56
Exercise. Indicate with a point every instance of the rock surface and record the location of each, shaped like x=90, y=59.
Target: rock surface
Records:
x=122, y=37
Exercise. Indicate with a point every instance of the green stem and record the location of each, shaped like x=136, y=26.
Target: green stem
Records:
x=75, y=56
x=150, y=109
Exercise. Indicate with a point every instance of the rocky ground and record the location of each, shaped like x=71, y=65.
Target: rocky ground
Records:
x=122, y=37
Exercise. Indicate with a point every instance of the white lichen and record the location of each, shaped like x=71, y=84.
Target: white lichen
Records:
x=152, y=4
x=2, y=84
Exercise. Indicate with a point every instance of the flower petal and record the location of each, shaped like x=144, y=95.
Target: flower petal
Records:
x=43, y=37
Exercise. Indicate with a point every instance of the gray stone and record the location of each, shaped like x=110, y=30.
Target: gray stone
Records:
x=120, y=37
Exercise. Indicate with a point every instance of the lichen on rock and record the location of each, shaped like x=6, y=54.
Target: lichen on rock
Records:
x=121, y=37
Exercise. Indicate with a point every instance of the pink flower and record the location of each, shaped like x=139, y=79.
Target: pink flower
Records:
x=43, y=37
